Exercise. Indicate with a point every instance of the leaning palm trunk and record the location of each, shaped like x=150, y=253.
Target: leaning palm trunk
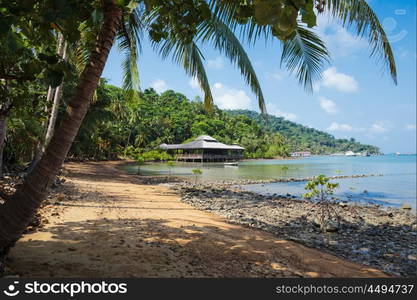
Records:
x=16, y=213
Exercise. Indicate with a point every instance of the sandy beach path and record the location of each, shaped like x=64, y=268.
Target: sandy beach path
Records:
x=107, y=224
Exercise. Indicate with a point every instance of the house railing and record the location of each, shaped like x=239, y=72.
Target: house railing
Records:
x=209, y=156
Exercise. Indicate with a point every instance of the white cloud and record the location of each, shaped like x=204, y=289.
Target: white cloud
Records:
x=230, y=98
x=274, y=110
x=218, y=85
x=217, y=63
x=276, y=75
x=328, y=105
x=378, y=128
x=286, y=115
x=340, y=41
x=194, y=83
x=374, y=129
x=159, y=85
x=410, y=127
x=340, y=127
x=340, y=81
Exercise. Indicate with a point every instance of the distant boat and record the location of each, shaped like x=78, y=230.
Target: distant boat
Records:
x=350, y=153
x=231, y=164
x=397, y=153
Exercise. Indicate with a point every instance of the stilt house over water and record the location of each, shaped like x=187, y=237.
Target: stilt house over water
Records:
x=204, y=149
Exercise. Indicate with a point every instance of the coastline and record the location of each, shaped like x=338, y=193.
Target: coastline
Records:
x=384, y=181
x=102, y=222
x=381, y=237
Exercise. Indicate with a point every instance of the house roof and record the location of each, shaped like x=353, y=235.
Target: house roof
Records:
x=202, y=142
x=205, y=138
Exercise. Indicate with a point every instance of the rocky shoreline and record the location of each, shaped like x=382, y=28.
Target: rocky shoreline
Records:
x=283, y=180
x=381, y=237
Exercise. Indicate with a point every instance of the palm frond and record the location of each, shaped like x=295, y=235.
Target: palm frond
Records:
x=129, y=39
x=359, y=14
x=305, y=55
x=80, y=51
x=189, y=56
x=224, y=40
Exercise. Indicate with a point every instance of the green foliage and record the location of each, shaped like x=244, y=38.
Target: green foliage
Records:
x=156, y=155
x=290, y=21
x=131, y=123
x=116, y=126
x=326, y=213
x=24, y=128
x=302, y=138
x=170, y=164
x=305, y=54
x=320, y=188
x=140, y=161
x=27, y=40
x=196, y=172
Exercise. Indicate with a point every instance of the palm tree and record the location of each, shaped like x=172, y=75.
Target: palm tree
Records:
x=177, y=31
x=17, y=212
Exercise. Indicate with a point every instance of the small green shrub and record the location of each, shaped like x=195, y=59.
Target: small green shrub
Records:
x=320, y=189
x=140, y=161
x=196, y=173
x=170, y=164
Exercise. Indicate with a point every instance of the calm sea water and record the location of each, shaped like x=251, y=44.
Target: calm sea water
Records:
x=396, y=187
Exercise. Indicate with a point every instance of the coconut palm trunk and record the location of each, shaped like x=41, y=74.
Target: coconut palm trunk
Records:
x=16, y=213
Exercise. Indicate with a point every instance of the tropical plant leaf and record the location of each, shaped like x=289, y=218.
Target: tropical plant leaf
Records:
x=190, y=58
x=222, y=37
x=305, y=55
x=358, y=14
x=128, y=39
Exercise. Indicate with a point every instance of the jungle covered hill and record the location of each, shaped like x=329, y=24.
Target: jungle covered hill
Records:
x=119, y=125
x=116, y=126
x=301, y=138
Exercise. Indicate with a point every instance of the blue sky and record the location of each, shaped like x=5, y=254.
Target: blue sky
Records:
x=356, y=97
